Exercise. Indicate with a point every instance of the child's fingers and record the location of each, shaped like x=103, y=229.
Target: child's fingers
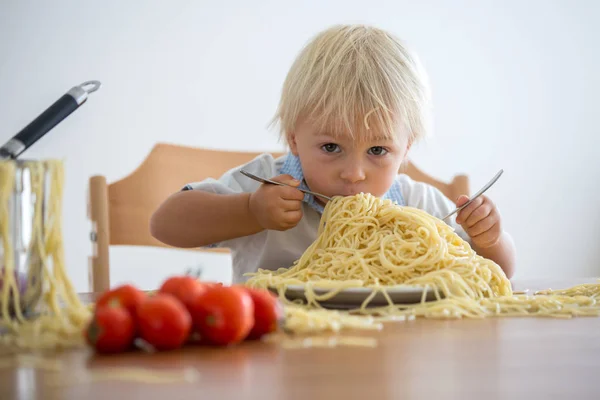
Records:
x=293, y=217
x=286, y=179
x=289, y=193
x=462, y=199
x=291, y=205
x=482, y=226
x=487, y=238
x=479, y=214
x=464, y=214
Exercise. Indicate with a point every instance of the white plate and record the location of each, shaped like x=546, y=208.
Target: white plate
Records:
x=354, y=297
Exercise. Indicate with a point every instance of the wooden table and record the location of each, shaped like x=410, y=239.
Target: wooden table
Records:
x=504, y=358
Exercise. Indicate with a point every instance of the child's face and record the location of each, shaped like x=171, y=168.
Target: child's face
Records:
x=340, y=165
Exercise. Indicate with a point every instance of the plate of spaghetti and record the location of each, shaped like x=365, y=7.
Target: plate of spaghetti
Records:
x=374, y=258
x=339, y=297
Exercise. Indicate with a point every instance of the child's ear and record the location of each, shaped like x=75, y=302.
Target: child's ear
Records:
x=291, y=139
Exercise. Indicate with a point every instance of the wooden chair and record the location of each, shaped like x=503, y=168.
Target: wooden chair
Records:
x=452, y=190
x=120, y=211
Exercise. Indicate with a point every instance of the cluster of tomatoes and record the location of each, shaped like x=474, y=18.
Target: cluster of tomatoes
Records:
x=184, y=310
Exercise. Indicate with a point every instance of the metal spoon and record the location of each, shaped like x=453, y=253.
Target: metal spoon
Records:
x=476, y=195
x=268, y=181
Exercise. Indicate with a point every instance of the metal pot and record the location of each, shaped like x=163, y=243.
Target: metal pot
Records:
x=28, y=262
x=22, y=203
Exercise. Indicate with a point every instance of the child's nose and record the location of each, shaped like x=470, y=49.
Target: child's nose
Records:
x=353, y=172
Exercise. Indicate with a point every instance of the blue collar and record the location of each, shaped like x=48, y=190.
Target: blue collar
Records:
x=292, y=167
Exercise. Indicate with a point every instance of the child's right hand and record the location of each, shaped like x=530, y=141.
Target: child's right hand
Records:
x=277, y=207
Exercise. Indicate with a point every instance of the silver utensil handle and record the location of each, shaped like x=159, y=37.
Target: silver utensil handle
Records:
x=476, y=195
x=313, y=193
x=270, y=182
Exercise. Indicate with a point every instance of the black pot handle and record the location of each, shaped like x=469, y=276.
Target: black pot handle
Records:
x=47, y=120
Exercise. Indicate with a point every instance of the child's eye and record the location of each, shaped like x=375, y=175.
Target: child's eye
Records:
x=377, y=151
x=331, y=148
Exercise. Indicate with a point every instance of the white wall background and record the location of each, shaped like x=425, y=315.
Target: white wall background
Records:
x=515, y=86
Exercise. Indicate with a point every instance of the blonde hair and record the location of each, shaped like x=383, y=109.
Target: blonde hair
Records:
x=359, y=81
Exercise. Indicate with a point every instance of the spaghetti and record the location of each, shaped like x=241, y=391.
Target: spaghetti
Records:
x=62, y=376
x=130, y=374
x=303, y=342
x=364, y=241
x=61, y=316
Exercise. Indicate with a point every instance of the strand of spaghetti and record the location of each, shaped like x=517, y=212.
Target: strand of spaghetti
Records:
x=7, y=173
x=32, y=361
x=327, y=342
x=130, y=374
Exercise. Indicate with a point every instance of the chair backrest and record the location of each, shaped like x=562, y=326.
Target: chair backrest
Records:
x=452, y=190
x=120, y=211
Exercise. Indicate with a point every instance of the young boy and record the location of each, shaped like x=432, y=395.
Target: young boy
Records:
x=353, y=103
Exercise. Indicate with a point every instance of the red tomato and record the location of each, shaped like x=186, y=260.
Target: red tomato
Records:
x=111, y=330
x=127, y=296
x=170, y=284
x=268, y=312
x=184, y=288
x=223, y=314
x=163, y=321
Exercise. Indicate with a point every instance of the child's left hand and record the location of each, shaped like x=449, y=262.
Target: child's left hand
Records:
x=481, y=221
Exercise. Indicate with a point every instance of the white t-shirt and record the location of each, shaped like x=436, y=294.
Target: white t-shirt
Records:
x=279, y=249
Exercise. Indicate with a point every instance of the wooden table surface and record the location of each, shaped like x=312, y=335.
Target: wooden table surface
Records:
x=497, y=358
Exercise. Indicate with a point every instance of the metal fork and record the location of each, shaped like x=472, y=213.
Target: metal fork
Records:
x=476, y=195
x=268, y=181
